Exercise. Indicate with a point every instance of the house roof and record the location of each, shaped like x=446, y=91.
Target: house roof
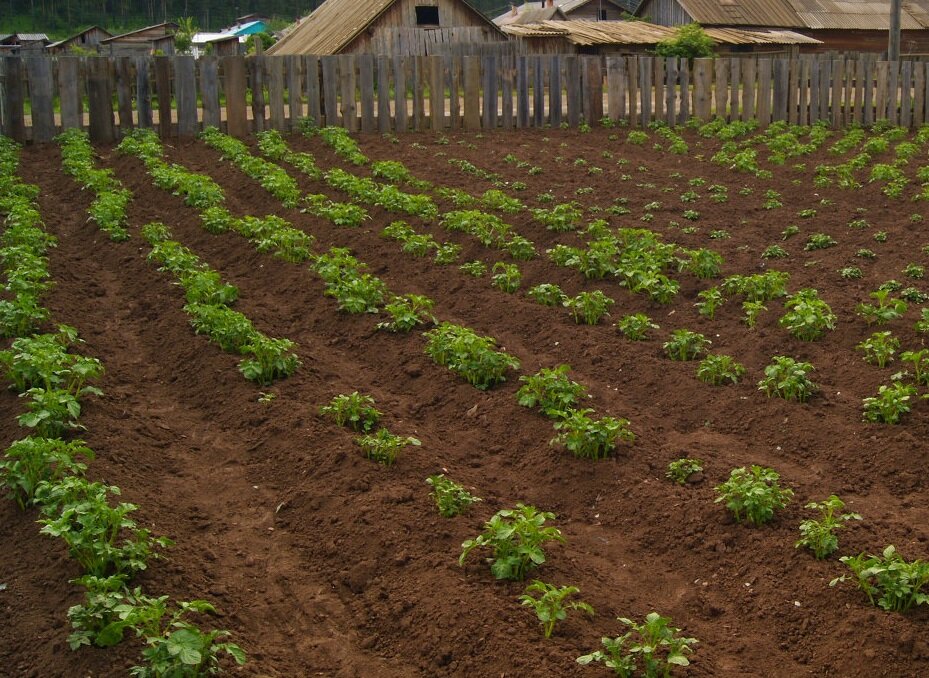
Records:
x=529, y=13
x=588, y=33
x=860, y=14
x=743, y=12
x=32, y=37
x=568, y=6
x=336, y=23
x=79, y=34
x=142, y=34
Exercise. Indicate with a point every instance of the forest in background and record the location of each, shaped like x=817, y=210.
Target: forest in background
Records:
x=61, y=18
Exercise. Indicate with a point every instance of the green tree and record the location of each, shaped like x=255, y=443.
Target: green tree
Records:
x=688, y=42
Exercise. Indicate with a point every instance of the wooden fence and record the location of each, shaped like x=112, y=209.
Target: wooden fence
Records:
x=178, y=96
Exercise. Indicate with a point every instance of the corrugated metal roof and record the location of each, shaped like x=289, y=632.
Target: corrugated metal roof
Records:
x=32, y=37
x=568, y=6
x=588, y=33
x=919, y=10
x=767, y=13
x=336, y=23
x=851, y=14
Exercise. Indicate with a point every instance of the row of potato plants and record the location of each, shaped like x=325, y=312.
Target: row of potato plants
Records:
x=208, y=298
x=46, y=471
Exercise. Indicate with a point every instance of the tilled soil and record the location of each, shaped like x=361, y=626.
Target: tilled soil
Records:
x=321, y=562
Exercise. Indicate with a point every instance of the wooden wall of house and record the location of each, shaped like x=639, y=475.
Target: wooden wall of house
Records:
x=398, y=24
x=545, y=46
x=591, y=11
x=664, y=13
x=911, y=42
x=413, y=41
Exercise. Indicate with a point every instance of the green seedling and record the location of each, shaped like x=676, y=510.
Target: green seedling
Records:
x=552, y=604
x=819, y=535
x=753, y=495
x=354, y=410
x=450, y=498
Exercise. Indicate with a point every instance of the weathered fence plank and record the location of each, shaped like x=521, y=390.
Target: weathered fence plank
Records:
x=100, y=100
x=554, y=92
x=366, y=87
x=209, y=91
x=764, y=92
x=41, y=88
x=330, y=89
x=294, y=90
x=143, y=91
x=185, y=80
x=539, y=66
x=124, y=93
x=234, y=88
x=276, y=92
x=401, y=114
x=314, y=109
x=162, y=92
x=70, y=94
x=256, y=75
x=472, y=92
x=573, y=79
x=507, y=73
x=721, y=93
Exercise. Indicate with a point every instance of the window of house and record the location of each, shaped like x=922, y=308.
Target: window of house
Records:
x=427, y=15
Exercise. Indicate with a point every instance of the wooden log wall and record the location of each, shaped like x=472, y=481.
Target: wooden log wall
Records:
x=179, y=96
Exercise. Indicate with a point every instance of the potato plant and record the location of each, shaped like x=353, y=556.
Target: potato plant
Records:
x=506, y=277
x=880, y=348
x=654, y=642
x=919, y=360
x=753, y=494
x=717, y=369
x=890, y=403
x=383, y=446
x=685, y=345
x=450, y=498
x=354, y=410
x=469, y=355
x=552, y=604
x=680, y=470
x=636, y=326
x=819, y=535
x=890, y=582
x=515, y=537
x=588, y=307
x=33, y=460
x=590, y=438
x=547, y=294
x=551, y=390
x=884, y=311
x=807, y=316
x=789, y=379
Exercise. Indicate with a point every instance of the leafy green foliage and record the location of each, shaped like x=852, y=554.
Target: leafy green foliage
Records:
x=655, y=642
x=450, y=498
x=589, y=307
x=819, y=535
x=685, y=345
x=718, y=369
x=551, y=390
x=552, y=604
x=515, y=537
x=886, y=310
x=590, y=438
x=788, y=378
x=807, y=316
x=468, y=354
x=33, y=460
x=753, y=494
x=890, y=403
x=879, y=348
x=547, y=294
x=636, y=326
x=889, y=581
x=384, y=446
x=353, y=410
x=680, y=470
x=506, y=277
x=407, y=312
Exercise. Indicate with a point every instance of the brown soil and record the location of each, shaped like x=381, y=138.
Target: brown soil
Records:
x=323, y=563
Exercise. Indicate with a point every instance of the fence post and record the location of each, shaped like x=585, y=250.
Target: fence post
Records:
x=185, y=81
x=69, y=89
x=15, y=120
x=39, y=72
x=234, y=88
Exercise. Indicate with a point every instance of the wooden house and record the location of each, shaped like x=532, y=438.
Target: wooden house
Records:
x=390, y=27
x=88, y=39
x=843, y=25
x=157, y=39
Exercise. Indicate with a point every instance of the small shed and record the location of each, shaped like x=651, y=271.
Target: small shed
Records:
x=157, y=39
x=88, y=39
x=636, y=37
x=18, y=43
x=390, y=27
x=555, y=10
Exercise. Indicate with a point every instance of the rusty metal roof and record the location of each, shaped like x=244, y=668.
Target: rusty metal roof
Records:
x=767, y=13
x=641, y=33
x=336, y=23
x=859, y=14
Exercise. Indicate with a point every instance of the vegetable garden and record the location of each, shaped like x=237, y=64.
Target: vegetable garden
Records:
x=562, y=402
